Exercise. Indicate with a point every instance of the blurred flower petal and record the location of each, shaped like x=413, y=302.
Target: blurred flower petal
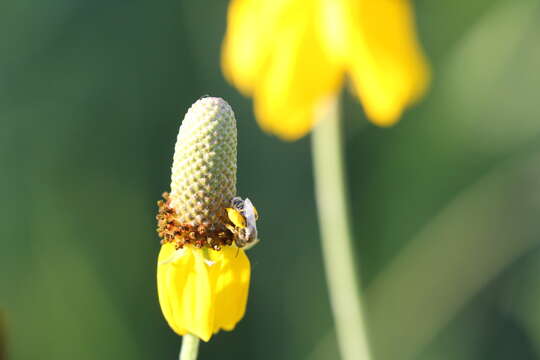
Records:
x=299, y=74
x=292, y=55
x=387, y=67
x=249, y=40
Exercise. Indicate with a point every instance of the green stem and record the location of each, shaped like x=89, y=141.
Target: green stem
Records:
x=336, y=238
x=190, y=347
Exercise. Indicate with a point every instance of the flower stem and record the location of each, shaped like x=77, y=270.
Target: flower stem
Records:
x=338, y=253
x=190, y=347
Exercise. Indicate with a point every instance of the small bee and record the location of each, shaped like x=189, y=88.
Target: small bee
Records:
x=243, y=216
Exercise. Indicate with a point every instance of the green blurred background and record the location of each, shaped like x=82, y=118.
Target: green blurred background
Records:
x=446, y=204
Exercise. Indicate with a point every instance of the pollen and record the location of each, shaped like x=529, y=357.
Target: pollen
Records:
x=170, y=230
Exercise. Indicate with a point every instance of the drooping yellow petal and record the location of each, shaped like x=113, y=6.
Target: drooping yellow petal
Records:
x=250, y=39
x=231, y=287
x=164, y=278
x=299, y=75
x=334, y=29
x=185, y=292
x=387, y=67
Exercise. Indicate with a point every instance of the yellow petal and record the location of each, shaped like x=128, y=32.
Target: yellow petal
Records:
x=185, y=292
x=388, y=69
x=166, y=301
x=333, y=28
x=249, y=39
x=298, y=76
x=232, y=285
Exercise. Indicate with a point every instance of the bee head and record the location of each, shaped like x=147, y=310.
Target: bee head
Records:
x=237, y=203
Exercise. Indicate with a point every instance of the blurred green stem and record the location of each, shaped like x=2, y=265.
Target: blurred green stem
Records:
x=338, y=253
x=190, y=347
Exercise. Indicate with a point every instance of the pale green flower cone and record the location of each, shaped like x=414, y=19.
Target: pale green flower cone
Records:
x=203, y=179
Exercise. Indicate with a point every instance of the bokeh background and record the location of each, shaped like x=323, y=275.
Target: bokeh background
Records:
x=446, y=205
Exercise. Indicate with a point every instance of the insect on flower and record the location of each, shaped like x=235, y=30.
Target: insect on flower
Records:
x=243, y=216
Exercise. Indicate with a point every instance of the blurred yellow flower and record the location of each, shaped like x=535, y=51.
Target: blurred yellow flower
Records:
x=202, y=291
x=292, y=54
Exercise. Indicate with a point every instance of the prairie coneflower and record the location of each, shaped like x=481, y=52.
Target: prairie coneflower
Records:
x=292, y=54
x=203, y=272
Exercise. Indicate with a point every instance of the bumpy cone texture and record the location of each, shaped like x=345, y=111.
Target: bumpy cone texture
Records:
x=203, y=179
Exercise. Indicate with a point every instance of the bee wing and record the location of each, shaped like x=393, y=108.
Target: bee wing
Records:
x=249, y=209
x=236, y=218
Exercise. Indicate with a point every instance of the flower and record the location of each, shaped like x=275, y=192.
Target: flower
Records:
x=291, y=55
x=202, y=276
